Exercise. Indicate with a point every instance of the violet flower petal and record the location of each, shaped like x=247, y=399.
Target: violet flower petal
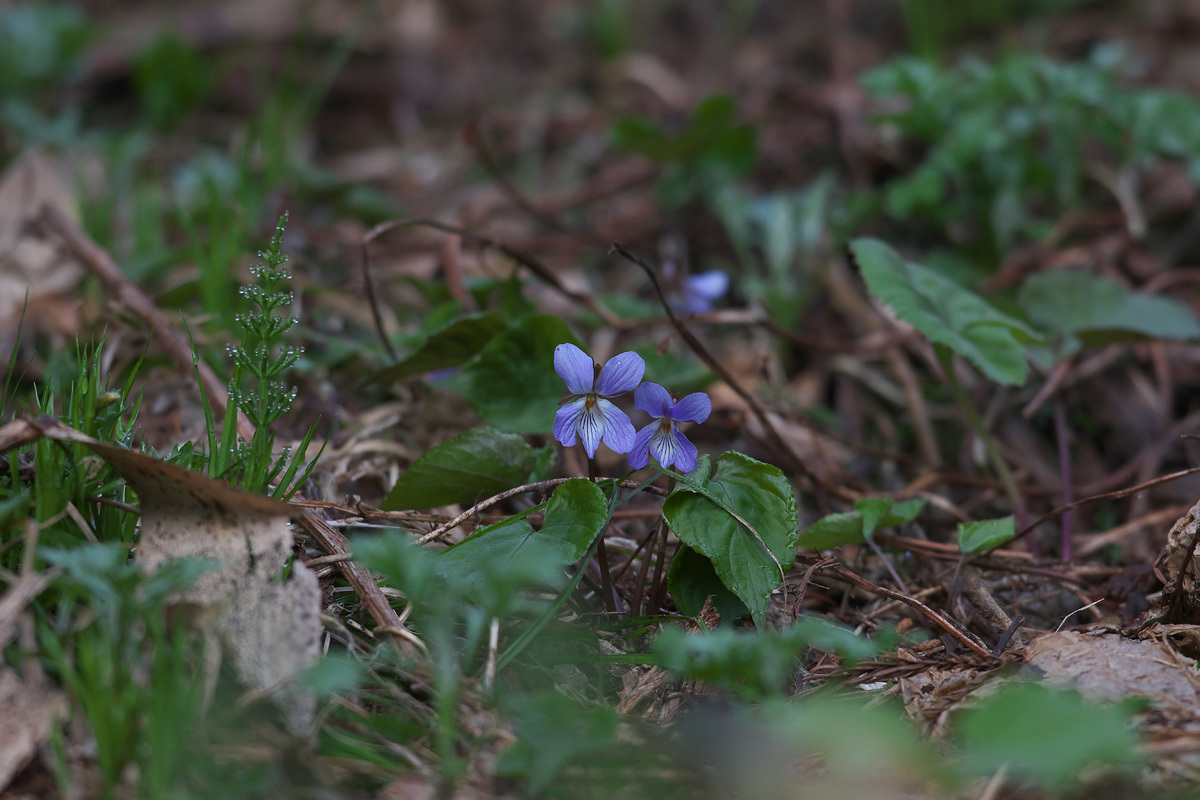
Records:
x=694, y=408
x=575, y=367
x=663, y=445
x=639, y=454
x=708, y=285
x=621, y=374
x=590, y=426
x=565, y=422
x=653, y=399
x=685, y=453
x=618, y=430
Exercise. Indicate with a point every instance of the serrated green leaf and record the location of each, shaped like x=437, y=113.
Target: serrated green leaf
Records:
x=512, y=383
x=975, y=537
x=475, y=464
x=451, y=346
x=946, y=312
x=744, y=520
x=574, y=515
x=757, y=664
x=852, y=527
x=872, y=510
x=833, y=530
x=1099, y=311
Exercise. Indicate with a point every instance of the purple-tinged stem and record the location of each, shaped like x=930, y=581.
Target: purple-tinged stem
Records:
x=1063, y=434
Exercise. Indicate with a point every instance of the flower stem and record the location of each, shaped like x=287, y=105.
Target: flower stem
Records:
x=658, y=582
x=606, y=585
x=1063, y=434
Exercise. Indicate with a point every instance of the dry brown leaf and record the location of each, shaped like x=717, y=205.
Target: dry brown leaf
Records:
x=269, y=629
x=1181, y=539
x=30, y=266
x=639, y=684
x=28, y=712
x=1110, y=667
x=27, y=709
x=415, y=787
x=14, y=601
x=929, y=695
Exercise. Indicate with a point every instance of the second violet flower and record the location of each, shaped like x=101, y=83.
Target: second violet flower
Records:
x=662, y=438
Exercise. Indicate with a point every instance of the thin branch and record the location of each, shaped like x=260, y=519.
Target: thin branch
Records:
x=969, y=640
x=442, y=530
x=334, y=543
x=1141, y=487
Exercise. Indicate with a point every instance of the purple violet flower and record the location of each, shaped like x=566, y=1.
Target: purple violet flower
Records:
x=693, y=294
x=587, y=412
x=662, y=438
x=700, y=291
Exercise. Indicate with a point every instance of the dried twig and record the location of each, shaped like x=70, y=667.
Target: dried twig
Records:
x=386, y=618
x=981, y=597
x=968, y=639
x=1141, y=487
x=442, y=530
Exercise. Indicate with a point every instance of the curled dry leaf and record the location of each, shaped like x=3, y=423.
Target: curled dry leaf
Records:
x=35, y=279
x=1180, y=567
x=1109, y=667
x=269, y=628
x=29, y=710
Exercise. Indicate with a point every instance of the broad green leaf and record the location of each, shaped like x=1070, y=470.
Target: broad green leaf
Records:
x=407, y=565
x=544, y=460
x=1047, y=736
x=855, y=527
x=744, y=520
x=691, y=579
x=475, y=464
x=451, y=346
x=574, y=515
x=975, y=537
x=506, y=545
x=833, y=530
x=1098, y=311
x=883, y=512
x=946, y=312
x=512, y=383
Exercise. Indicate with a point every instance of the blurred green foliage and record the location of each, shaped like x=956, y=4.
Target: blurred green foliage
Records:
x=711, y=152
x=1006, y=148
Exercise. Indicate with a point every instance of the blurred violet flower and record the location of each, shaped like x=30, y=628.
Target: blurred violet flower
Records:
x=587, y=412
x=701, y=291
x=694, y=294
x=662, y=438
